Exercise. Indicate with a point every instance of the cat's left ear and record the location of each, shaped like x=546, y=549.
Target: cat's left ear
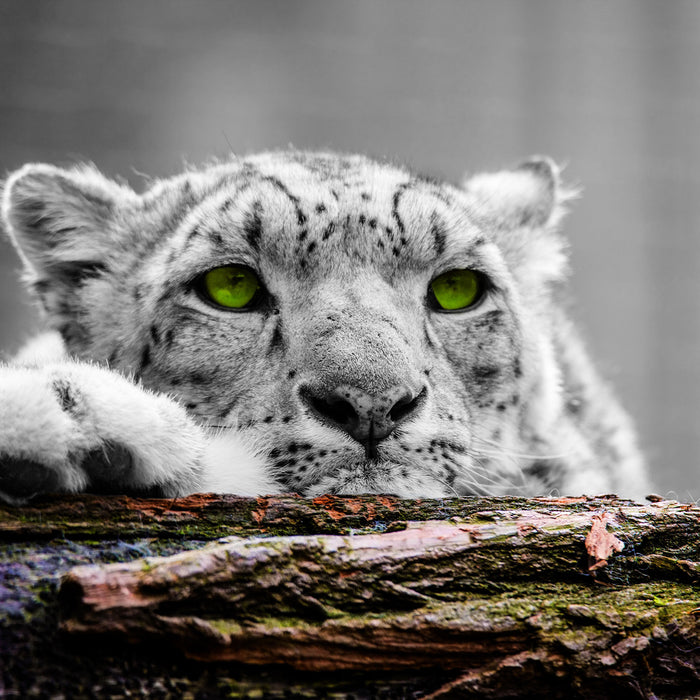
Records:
x=529, y=195
x=521, y=209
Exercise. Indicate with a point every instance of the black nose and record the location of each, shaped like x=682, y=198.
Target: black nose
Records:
x=365, y=417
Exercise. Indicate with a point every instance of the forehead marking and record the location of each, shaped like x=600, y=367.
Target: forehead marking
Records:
x=252, y=225
x=437, y=227
x=277, y=183
x=395, y=206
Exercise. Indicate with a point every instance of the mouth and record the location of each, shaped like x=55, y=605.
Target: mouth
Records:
x=375, y=475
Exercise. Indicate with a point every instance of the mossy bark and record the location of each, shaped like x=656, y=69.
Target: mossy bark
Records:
x=374, y=596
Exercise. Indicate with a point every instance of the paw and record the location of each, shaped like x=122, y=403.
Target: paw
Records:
x=72, y=427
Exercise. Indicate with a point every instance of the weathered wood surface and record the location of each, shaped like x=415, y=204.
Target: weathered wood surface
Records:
x=372, y=596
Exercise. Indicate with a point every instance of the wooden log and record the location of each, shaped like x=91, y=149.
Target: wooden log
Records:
x=478, y=597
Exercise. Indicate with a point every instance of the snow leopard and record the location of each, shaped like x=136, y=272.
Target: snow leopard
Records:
x=304, y=322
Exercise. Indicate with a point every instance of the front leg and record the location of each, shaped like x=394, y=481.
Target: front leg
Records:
x=71, y=427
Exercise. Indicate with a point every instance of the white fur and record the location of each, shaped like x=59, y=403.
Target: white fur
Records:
x=168, y=448
x=232, y=465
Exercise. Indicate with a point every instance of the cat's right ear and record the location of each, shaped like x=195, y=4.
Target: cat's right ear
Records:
x=61, y=221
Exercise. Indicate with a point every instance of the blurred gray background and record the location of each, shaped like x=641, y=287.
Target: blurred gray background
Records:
x=612, y=89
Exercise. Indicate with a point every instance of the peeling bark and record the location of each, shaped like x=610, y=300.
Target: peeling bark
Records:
x=572, y=597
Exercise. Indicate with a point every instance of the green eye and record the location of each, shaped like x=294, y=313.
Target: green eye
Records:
x=232, y=287
x=457, y=289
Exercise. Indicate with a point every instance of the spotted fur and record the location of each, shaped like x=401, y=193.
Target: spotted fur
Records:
x=344, y=379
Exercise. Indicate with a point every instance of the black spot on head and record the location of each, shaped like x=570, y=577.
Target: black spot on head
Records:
x=267, y=419
x=291, y=374
x=329, y=231
x=439, y=234
x=372, y=223
x=366, y=196
x=67, y=395
x=301, y=217
x=145, y=360
x=286, y=419
x=155, y=337
x=486, y=372
x=311, y=247
x=362, y=219
x=252, y=226
x=395, y=208
x=396, y=251
x=302, y=235
x=320, y=208
x=501, y=407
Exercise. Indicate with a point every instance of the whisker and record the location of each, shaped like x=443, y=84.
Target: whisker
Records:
x=489, y=475
x=423, y=469
x=499, y=451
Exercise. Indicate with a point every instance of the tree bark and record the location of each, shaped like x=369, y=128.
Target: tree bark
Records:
x=568, y=597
